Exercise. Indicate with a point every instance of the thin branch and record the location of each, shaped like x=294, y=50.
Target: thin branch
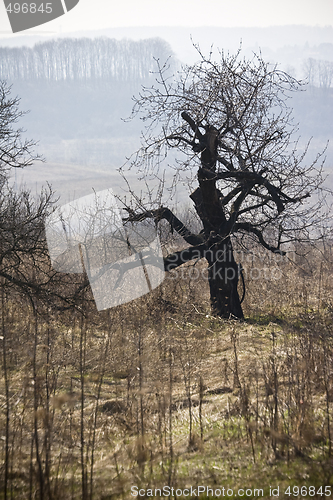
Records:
x=245, y=226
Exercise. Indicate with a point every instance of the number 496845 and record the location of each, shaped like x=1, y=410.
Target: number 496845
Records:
x=310, y=491
x=31, y=8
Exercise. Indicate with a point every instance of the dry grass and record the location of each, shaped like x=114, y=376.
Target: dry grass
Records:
x=158, y=392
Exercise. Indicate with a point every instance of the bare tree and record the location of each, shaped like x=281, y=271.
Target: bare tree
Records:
x=14, y=151
x=232, y=129
x=20, y=216
x=24, y=260
x=318, y=72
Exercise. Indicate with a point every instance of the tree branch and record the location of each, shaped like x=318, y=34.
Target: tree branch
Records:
x=175, y=223
x=192, y=124
x=250, y=176
x=176, y=259
x=245, y=226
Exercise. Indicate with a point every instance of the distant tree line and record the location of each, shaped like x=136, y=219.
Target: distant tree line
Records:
x=73, y=59
x=318, y=72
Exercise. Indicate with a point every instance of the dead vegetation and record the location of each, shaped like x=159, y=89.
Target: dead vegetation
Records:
x=158, y=392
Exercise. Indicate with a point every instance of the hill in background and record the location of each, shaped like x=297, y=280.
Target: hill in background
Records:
x=79, y=90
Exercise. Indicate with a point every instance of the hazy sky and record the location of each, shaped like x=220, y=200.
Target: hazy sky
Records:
x=96, y=14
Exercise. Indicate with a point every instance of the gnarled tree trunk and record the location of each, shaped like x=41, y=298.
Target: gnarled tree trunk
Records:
x=223, y=271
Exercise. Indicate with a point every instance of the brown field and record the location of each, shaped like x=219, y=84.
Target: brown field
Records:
x=158, y=393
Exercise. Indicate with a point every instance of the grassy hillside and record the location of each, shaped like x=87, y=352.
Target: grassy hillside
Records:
x=158, y=393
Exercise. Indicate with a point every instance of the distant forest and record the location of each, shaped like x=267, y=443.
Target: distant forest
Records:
x=82, y=59
x=107, y=59
x=79, y=90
